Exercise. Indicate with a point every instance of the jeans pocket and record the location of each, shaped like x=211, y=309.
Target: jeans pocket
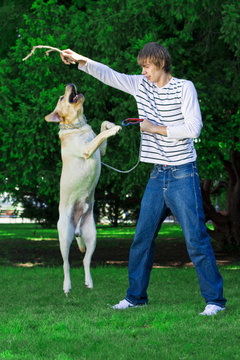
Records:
x=183, y=171
x=154, y=173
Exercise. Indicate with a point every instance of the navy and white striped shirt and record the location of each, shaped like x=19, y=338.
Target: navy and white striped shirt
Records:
x=174, y=105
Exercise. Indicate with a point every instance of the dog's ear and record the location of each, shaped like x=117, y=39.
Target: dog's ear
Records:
x=53, y=117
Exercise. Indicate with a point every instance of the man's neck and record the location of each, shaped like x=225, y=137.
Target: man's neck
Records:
x=164, y=79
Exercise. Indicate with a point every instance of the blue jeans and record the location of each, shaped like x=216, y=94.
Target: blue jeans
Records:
x=176, y=188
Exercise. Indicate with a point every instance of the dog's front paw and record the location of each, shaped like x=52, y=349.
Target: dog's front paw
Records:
x=114, y=130
x=107, y=125
x=117, y=129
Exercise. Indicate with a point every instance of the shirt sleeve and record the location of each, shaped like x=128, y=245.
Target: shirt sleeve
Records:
x=123, y=82
x=192, y=115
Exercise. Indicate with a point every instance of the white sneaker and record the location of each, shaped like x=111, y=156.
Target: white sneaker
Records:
x=212, y=310
x=123, y=304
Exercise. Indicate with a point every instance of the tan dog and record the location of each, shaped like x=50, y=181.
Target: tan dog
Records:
x=81, y=157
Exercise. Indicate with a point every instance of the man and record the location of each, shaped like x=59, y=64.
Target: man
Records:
x=172, y=118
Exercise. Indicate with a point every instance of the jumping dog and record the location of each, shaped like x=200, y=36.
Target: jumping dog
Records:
x=81, y=152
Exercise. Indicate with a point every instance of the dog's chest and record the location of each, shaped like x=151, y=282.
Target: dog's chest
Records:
x=74, y=145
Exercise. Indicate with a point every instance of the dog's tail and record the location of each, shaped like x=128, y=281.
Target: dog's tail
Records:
x=81, y=244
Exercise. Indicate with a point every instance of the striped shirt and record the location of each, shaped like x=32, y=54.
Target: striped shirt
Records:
x=174, y=105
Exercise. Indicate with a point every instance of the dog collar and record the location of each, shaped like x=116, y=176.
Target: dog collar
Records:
x=73, y=126
x=70, y=126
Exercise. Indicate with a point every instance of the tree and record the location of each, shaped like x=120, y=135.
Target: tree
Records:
x=226, y=223
x=10, y=22
x=225, y=148
x=30, y=162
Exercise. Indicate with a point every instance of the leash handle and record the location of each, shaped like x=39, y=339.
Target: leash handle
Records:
x=131, y=121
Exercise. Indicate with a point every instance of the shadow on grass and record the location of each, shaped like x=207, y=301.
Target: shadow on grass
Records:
x=31, y=246
x=46, y=253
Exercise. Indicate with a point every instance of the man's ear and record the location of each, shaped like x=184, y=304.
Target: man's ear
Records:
x=162, y=64
x=53, y=117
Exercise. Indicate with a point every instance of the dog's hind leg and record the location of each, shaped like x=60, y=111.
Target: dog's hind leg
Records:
x=78, y=231
x=81, y=243
x=66, y=234
x=89, y=233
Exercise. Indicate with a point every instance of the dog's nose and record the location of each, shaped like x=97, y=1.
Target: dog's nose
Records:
x=73, y=89
x=72, y=86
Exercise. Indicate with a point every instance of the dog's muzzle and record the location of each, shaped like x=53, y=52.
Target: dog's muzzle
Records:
x=74, y=97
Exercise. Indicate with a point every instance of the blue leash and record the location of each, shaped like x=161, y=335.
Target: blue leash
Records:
x=126, y=122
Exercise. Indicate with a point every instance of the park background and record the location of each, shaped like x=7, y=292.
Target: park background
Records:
x=203, y=39
x=37, y=321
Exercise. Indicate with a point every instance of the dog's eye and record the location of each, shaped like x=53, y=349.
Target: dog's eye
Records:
x=61, y=98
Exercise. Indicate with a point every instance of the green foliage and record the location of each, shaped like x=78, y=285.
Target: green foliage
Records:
x=231, y=26
x=202, y=37
x=10, y=22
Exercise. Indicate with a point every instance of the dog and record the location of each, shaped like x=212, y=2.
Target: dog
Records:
x=81, y=152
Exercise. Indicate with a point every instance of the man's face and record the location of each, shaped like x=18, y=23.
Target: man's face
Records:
x=152, y=72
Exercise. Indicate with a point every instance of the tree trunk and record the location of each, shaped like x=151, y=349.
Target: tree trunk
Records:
x=226, y=223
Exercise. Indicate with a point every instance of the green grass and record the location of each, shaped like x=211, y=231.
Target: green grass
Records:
x=37, y=233
x=37, y=321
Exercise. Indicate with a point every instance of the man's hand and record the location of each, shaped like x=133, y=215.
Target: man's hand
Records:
x=70, y=57
x=148, y=126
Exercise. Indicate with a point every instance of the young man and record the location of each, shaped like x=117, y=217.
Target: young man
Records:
x=172, y=118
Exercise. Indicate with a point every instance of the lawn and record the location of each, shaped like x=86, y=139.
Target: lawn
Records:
x=37, y=321
x=37, y=233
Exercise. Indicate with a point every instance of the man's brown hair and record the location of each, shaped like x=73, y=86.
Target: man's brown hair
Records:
x=155, y=53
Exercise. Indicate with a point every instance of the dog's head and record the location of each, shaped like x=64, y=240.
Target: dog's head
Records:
x=69, y=109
